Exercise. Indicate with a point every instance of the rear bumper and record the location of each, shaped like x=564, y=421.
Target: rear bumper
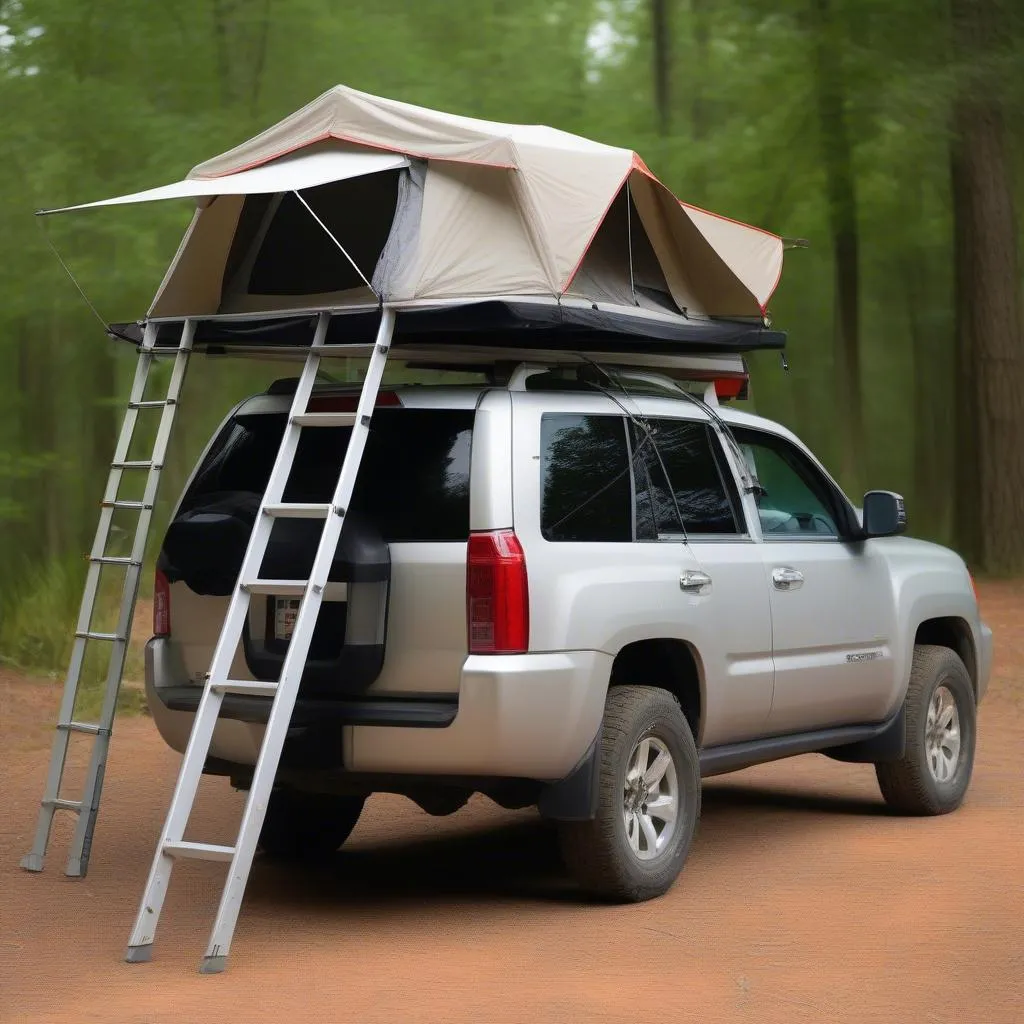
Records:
x=526, y=716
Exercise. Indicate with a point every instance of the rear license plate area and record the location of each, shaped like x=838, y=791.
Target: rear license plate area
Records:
x=285, y=610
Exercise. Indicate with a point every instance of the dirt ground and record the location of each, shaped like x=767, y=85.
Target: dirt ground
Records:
x=803, y=900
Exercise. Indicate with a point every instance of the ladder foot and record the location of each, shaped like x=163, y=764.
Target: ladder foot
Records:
x=139, y=954
x=75, y=868
x=213, y=964
x=32, y=862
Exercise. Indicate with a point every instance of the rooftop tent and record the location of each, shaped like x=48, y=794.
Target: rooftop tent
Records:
x=355, y=199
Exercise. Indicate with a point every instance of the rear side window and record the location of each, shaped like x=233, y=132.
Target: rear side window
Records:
x=585, y=479
x=684, y=477
x=413, y=480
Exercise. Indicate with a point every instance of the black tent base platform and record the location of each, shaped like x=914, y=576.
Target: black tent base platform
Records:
x=498, y=324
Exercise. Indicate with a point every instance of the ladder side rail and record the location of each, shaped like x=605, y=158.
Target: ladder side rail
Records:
x=279, y=719
x=33, y=861
x=81, y=842
x=205, y=721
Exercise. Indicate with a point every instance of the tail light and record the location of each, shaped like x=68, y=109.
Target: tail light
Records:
x=728, y=388
x=497, y=594
x=161, y=605
x=349, y=403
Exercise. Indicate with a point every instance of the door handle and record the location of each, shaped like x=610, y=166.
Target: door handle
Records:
x=693, y=581
x=787, y=579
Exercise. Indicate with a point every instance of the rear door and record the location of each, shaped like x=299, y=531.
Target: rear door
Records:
x=831, y=601
x=694, y=496
x=413, y=483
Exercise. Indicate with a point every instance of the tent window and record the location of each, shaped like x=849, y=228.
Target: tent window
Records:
x=620, y=246
x=297, y=258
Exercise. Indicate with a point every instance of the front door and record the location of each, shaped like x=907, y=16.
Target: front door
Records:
x=831, y=601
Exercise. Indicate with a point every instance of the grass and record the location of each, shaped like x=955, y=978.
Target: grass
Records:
x=37, y=624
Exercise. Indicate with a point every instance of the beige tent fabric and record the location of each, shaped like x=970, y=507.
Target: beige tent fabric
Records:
x=193, y=281
x=349, y=115
x=473, y=239
x=755, y=256
x=500, y=210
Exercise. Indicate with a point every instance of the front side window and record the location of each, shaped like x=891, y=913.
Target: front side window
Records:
x=794, y=500
x=684, y=479
x=585, y=478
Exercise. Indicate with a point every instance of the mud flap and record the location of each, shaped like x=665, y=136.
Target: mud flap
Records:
x=888, y=745
x=573, y=798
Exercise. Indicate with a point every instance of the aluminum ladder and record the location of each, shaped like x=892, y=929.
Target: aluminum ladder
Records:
x=88, y=806
x=172, y=843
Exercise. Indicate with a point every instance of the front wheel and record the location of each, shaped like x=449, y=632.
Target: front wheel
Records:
x=648, y=799
x=933, y=775
x=307, y=826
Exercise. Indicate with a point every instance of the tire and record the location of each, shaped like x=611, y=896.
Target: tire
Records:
x=599, y=853
x=307, y=826
x=912, y=785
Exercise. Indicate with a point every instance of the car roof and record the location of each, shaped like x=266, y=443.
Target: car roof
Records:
x=467, y=396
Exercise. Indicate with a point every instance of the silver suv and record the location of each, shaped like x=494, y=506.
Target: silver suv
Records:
x=585, y=589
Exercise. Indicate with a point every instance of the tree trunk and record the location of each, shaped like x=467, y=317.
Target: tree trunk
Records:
x=930, y=500
x=661, y=48
x=699, y=105
x=47, y=404
x=990, y=456
x=841, y=191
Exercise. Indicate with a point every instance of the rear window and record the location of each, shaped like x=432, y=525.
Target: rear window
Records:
x=413, y=480
x=585, y=479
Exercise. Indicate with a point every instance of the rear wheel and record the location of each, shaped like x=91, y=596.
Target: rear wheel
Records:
x=933, y=775
x=307, y=826
x=648, y=799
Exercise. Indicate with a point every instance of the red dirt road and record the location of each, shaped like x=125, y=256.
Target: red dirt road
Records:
x=802, y=901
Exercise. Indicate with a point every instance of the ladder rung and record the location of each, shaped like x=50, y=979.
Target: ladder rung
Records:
x=89, y=634
x=137, y=505
x=296, y=510
x=199, y=851
x=154, y=403
x=279, y=588
x=134, y=464
x=64, y=805
x=324, y=419
x=113, y=560
x=245, y=688
x=86, y=727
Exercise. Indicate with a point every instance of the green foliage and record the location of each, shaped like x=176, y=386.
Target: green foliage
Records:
x=109, y=96
x=37, y=622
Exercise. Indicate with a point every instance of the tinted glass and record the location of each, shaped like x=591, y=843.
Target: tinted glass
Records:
x=585, y=484
x=413, y=480
x=793, y=502
x=695, y=486
x=656, y=513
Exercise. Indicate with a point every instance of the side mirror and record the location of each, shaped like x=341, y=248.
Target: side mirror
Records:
x=884, y=514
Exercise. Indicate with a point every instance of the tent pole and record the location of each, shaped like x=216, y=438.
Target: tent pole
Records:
x=355, y=266
x=629, y=239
